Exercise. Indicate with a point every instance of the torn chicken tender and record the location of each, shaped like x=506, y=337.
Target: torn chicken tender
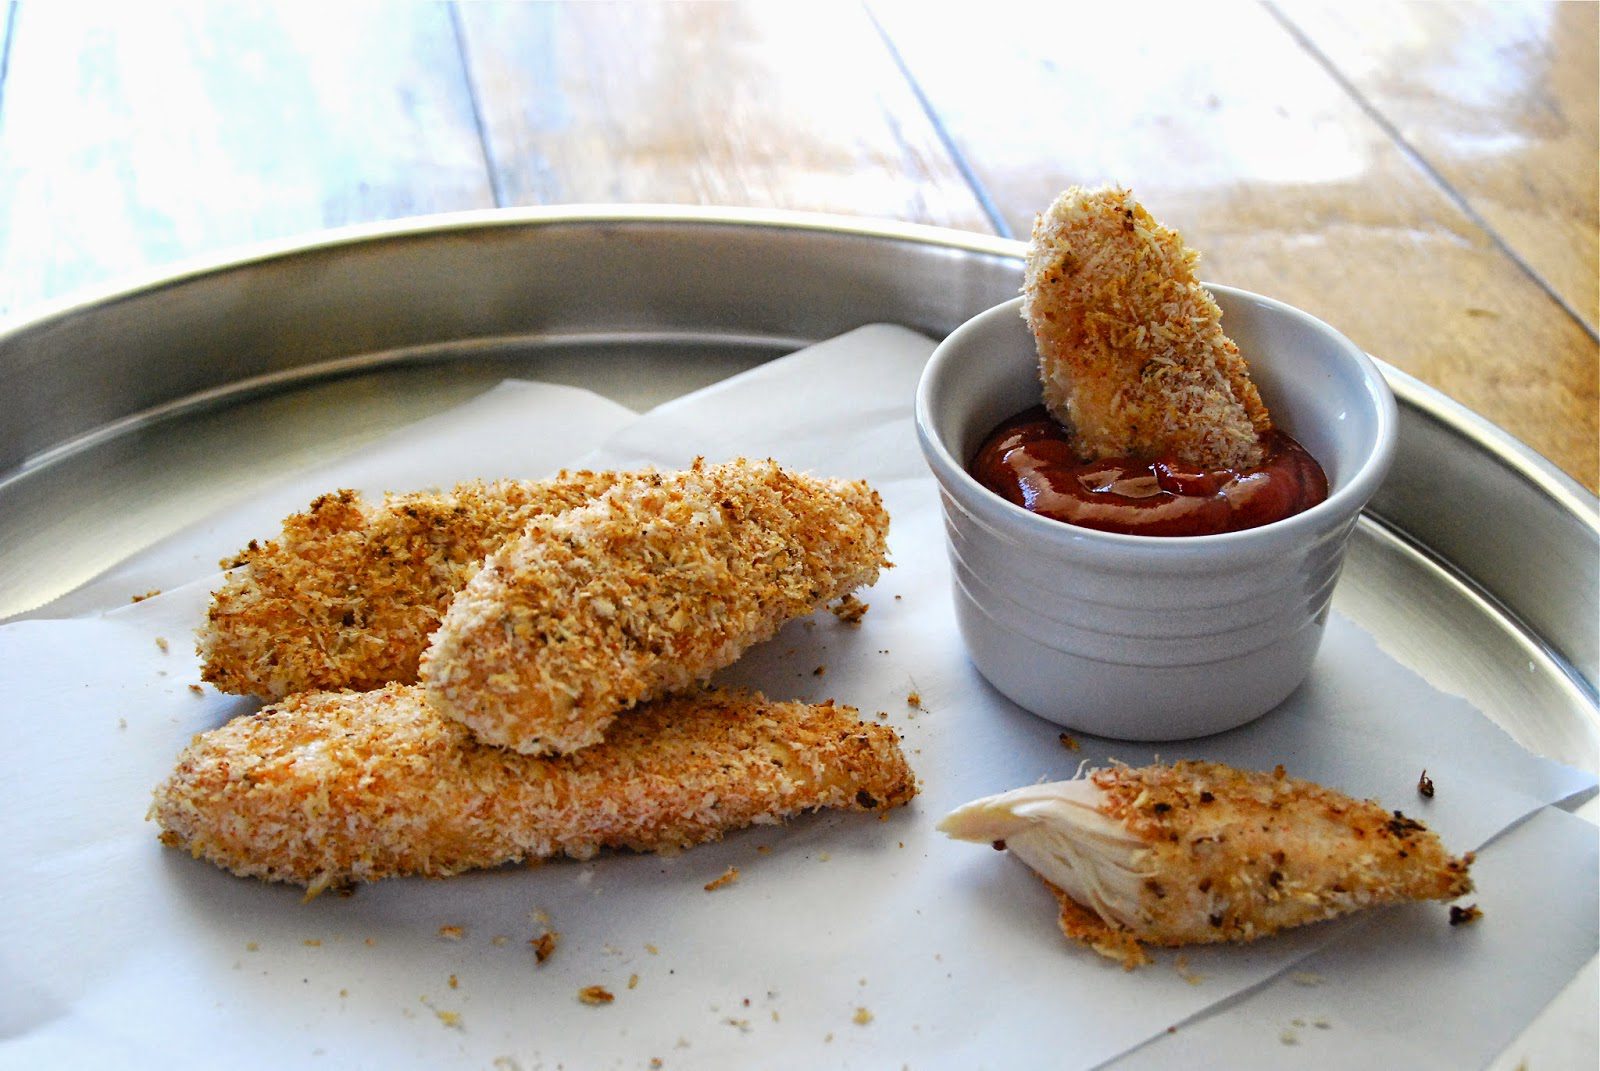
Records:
x=1198, y=852
x=332, y=788
x=1131, y=351
x=645, y=592
x=348, y=594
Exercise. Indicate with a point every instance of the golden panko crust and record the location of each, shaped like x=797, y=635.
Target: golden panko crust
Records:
x=1234, y=855
x=348, y=594
x=1131, y=350
x=331, y=788
x=647, y=591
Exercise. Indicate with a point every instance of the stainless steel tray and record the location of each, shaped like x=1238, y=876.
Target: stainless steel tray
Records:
x=133, y=412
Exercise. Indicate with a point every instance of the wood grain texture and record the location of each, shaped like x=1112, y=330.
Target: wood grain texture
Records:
x=1229, y=131
x=8, y=12
x=1501, y=100
x=797, y=106
x=133, y=136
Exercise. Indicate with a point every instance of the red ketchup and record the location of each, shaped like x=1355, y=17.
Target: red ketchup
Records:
x=1028, y=460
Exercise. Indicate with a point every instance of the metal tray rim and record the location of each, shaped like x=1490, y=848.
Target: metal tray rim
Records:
x=1511, y=452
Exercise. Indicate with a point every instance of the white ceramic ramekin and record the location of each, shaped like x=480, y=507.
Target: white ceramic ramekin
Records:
x=1139, y=637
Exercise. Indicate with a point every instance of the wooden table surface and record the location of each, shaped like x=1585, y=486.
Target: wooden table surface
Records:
x=1421, y=175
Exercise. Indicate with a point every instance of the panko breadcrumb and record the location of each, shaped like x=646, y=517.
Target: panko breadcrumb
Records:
x=647, y=591
x=1131, y=350
x=1198, y=852
x=726, y=878
x=333, y=788
x=348, y=594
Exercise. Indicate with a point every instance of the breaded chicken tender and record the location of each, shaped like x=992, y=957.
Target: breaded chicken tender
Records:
x=1198, y=852
x=1131, y=350
x=348, y=595
x=330, y=788
x=646, y=591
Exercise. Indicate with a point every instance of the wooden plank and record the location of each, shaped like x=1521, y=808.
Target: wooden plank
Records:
x=1229, y=130
x=136, y=135
x=1500, y=100
x=8, y=12
x=794, y=106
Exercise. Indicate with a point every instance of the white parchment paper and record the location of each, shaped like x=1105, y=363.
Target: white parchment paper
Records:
x=847, y=941
x=516, y=430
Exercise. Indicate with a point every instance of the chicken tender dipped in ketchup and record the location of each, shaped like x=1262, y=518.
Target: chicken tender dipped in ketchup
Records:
x=1150, y=423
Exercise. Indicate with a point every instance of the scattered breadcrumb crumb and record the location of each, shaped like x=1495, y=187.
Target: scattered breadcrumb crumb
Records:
x=633, y=981
x=850, y=610
x=1069, y=742
x=312, y=942
x=819, y=671
x=1288, y=1037
x=762, y=849
x=1462, y=916
x=743, y=1025
x=500, y=940
x=162, y=645
x=1181, y=965
x=652, y=949
x=595, y=994
x=1321, y=1024
x=823, y=857
x=728, y=877
x=914, y=699
x=452, y=933
x=251, y=946
x=544, y=945
x=152, y=593
x=344, y=992
x=197, y=690
x=455, y=983
x=1425, y=785
x=449, y=1018
x=655, y=1062
x=862, y=1017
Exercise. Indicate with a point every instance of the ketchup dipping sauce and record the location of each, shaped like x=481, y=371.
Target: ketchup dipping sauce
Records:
x=1029, y=460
